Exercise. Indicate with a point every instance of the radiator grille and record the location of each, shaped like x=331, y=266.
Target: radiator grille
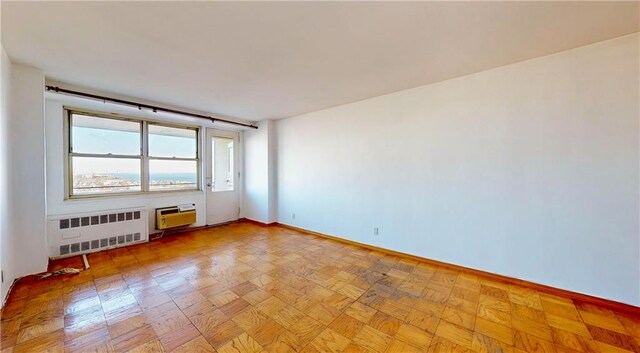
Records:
x=75, y=222
x=83, y=233
x=98, y=243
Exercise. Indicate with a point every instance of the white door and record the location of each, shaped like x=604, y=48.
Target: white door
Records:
x=223, y=197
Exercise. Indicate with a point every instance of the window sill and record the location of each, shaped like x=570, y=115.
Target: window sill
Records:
x=133, y=195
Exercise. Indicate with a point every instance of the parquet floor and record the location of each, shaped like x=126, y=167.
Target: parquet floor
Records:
x=246, y=288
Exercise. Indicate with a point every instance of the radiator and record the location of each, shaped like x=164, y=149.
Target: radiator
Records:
x=70, y=235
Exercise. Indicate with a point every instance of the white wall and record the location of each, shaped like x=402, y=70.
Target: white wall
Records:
x=259, y=195
x=27, y=171
x=529, y=170
x=6, y=254
x=57, y=205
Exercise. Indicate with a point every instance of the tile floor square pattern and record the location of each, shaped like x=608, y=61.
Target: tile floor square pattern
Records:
x=248, y=288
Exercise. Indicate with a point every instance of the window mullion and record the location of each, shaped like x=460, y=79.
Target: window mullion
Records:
x=145, y=156
x=172, y=159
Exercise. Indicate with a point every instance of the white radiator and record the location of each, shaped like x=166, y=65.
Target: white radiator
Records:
x=70, y=235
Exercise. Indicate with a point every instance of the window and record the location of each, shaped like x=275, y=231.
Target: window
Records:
x=173, y=158
x=222, y=164
x=113, y=156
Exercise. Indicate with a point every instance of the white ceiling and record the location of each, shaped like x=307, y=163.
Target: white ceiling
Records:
x=264, y=60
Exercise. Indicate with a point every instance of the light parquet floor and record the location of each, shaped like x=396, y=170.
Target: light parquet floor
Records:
x=247, y=288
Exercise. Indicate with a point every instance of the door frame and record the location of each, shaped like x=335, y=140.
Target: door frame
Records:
x=238, y=165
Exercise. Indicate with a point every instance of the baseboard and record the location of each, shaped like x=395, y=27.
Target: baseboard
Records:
x=585, y=298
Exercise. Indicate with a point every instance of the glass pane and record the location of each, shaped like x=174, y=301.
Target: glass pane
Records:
x=167, y=141
x=105, y=175
x=102, y=136
x=173, y=175
x=222, y=164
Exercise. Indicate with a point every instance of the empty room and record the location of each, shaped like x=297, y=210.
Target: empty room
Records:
x=378, y=177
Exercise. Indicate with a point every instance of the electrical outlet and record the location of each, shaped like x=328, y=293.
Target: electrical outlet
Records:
x=375, y=232
x=293, y=216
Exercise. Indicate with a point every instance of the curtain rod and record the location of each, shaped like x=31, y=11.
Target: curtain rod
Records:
x=142, y=105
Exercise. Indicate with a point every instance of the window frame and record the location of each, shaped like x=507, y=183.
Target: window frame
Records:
x=143, y=156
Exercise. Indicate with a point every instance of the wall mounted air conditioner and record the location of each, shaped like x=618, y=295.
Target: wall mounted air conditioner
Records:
x=175, y=216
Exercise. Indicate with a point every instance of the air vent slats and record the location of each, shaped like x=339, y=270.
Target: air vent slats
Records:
x=98, y=219
x=99, y=243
